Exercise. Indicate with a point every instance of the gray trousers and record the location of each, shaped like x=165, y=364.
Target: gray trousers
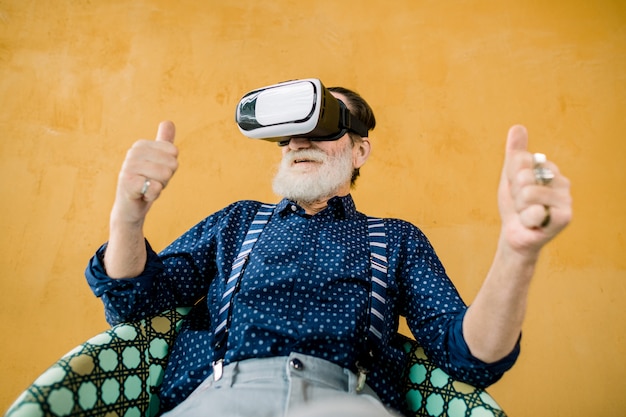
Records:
x=295, y=386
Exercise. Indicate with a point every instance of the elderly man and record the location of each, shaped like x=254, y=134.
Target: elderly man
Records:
x=284, y=293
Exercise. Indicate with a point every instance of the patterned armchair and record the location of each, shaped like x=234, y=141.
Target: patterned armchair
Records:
x=119, y=371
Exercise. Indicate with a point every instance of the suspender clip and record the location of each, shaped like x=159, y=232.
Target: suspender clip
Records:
x=361, y=377
x=218, y=369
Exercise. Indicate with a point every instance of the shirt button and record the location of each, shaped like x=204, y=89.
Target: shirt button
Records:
x=293, y=207
x=296, y=364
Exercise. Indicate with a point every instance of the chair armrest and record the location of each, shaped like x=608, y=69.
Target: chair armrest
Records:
x=117, y=372
x=432, y=392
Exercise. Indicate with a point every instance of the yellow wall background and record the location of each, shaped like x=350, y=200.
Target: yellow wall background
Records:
x=81, y=80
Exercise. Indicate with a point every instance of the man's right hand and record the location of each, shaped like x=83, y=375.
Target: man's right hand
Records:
x=149, y=166
x=147, y=169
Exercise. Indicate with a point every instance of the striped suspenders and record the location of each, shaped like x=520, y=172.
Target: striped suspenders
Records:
x=377, y=296
x=221, y=331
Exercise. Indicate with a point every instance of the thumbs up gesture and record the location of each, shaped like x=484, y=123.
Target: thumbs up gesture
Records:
x=532, y=209
x=146, y=171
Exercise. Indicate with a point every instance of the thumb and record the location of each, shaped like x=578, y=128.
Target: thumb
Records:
x=166, y=132
x=517, y=140
x=516, y=143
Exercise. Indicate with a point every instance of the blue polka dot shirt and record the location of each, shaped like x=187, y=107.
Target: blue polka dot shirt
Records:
x=305, y=289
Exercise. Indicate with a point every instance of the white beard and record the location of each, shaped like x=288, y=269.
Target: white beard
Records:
x=318, y=184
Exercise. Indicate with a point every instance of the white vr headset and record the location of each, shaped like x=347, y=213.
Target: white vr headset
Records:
x=300, y=108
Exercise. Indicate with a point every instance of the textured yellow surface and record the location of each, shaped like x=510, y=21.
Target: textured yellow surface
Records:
x=80, y=81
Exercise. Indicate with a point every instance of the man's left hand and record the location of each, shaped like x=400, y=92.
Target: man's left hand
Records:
x=532, y=213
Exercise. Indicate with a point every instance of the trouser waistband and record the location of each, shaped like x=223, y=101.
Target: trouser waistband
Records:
x=296, y=365
x=276, y=387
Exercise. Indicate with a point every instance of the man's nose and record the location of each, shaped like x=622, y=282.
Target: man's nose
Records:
x=299, y=143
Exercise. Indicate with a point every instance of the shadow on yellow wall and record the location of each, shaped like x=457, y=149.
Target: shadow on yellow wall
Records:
x=80, y=81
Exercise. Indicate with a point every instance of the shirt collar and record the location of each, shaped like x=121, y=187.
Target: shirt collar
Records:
x=340, y=207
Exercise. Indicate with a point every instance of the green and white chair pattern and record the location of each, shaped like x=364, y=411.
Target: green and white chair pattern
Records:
x=119, y=371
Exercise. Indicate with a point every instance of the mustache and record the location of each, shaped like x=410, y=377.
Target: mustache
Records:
x=315, y=155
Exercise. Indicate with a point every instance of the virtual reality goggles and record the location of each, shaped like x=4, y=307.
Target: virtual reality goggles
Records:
x=295, y=109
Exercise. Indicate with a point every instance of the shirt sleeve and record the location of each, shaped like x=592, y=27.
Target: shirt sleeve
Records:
x=126, y=299
x=466, y=367
x=434, y=311
x=176, y=277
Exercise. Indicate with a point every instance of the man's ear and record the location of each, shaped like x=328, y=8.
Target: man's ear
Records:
x=360, y=152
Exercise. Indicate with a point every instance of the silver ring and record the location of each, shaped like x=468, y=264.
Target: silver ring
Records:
x=146, y=186
x=543, y=175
